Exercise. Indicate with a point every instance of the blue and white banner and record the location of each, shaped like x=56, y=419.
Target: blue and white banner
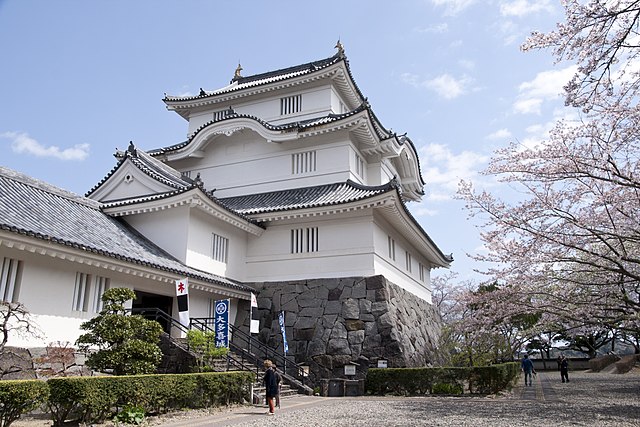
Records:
x=284, y=333
x=222, y=323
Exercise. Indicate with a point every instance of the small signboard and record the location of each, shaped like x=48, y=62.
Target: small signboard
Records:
x=222, y=323
x=349, y=369
x=382, y=363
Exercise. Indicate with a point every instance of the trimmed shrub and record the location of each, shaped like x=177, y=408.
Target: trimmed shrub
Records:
x=599, y=363
x=19, y=397
x=418, y=381
x=94, y=399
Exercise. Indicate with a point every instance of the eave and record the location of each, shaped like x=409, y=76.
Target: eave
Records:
x=64, y=251
x=193, y=198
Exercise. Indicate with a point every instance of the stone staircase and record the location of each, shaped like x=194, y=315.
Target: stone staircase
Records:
x=178, y=359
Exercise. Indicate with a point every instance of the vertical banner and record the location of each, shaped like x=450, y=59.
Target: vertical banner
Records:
x=255, y=323
x=284, y=333
x=182, y=294
x=222, y=323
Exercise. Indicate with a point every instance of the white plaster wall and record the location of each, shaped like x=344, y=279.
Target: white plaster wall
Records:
x=169, y=229
x=47, y=291
x=345, y=249
x=200, y=246
x=395, y=270
x=244, y=163
x=316, y=102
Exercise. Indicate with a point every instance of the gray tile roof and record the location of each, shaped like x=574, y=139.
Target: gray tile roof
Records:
x=301, y=198
x=34, y=208
x=256, y=80
x=150, y=166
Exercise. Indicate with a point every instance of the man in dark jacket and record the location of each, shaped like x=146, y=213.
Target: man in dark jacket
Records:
x=527, y=368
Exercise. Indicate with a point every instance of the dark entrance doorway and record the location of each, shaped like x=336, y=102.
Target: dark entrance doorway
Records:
x=148, y=305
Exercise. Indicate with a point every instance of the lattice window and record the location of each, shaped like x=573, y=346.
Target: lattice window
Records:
x=407, y=257
x=304, y=240
x=359, y=166
x=101, y=285
x=423, y=271
x=392, y=248
x=81, y=292
x=220, y=250
x=10, y=279
x=290, y=104
x=303, y=162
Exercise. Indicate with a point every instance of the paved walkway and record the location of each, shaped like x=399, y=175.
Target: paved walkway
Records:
x=591, y=399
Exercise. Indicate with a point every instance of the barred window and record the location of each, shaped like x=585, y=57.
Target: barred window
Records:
x=392, y=248
x=10, y=279
x=304, y=240
x=220, y=248
x=407, y=256
x=102, y=284
x=303, y=162
x=218, y=115
x=422, y=272
x=359, y=166
x=290, y=104
x=81, y=292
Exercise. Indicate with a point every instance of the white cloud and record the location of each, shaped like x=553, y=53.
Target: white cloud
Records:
x=453, y=7
x=445, y=85
x=467, y=64
x=499, y=134
x=522, y=8
x=22, y=143
x=442, y=170
x=437, y=28
x=546, y=86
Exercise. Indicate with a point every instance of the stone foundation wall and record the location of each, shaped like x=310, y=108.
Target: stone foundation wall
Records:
x=334, y=322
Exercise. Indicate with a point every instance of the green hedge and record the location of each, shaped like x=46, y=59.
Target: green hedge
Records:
x=416, y=381
x=93, y=399
x=19, y=397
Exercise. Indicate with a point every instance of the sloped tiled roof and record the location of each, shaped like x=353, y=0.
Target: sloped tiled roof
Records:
x=301, y=198
x=33, y=208
x=256, y=80
x=152, y=167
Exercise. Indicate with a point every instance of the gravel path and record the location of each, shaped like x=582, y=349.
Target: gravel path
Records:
x=590, y=399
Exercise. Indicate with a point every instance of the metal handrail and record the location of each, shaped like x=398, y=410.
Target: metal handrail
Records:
x=157, y=314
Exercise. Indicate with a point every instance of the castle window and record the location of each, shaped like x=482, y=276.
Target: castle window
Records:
x=304, y=240
x=392, y=248
x=81, y=292
x=290, y=104
x=303, y=162
x=359, y=166
x=10, y=279
x=102, y=284
x=422, y=272
x=220, y=248
x=407, y=256
x=219, y=115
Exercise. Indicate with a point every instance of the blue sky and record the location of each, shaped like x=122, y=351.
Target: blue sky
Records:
x=82, y=78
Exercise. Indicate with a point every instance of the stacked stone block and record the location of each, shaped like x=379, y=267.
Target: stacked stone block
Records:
x=334, y=322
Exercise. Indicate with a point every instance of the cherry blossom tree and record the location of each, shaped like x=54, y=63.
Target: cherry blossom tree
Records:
x=568, y=243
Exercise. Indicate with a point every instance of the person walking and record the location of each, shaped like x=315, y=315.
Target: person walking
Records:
x=527, y=367
x=564, y=369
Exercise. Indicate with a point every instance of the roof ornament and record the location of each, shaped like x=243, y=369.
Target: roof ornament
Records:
x=202, y=92
x=340, y=49
x=236, y=74
x=198, y=181
x=132, y=149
